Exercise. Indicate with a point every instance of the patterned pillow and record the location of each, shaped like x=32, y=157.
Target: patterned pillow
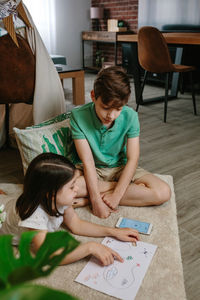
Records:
x=53, y=135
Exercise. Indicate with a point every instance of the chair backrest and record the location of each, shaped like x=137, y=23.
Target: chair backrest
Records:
x=153, y=52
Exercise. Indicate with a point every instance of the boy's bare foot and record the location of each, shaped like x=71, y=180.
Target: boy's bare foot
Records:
x=80, y=202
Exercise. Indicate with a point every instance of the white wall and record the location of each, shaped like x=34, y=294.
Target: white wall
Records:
x=72, y=17
x=162, y=12
x=60, y=23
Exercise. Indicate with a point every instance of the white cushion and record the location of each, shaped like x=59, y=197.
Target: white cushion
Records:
x=52, y=135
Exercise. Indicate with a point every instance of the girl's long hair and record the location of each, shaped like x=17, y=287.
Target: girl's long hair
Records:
x=46, y=174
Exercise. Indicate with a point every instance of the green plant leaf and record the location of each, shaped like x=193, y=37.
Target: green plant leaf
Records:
x=33, y=292
x=14, y=270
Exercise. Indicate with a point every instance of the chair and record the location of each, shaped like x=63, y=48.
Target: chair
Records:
x=154, y=57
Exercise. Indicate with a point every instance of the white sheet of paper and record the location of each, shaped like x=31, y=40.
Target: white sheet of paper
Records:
x=120, y=280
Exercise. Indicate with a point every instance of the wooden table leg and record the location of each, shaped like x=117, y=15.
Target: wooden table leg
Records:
x=78, y=85
x=78, y=89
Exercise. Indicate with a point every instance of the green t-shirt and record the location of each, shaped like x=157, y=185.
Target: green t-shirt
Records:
x=108, y=145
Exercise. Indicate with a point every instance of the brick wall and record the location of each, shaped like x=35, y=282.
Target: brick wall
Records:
x=126, y=10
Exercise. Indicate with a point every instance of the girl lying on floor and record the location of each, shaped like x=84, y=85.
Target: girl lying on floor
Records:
x=51, y=186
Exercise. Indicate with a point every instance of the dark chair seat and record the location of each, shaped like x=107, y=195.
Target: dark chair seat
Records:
x=182, y=68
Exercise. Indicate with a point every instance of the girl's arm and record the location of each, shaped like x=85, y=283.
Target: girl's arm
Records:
x=38, y=239
x=105, y=254
x=80, y=227
x=84, y=228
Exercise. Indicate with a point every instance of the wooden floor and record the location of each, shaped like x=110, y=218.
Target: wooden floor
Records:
x=172, y=148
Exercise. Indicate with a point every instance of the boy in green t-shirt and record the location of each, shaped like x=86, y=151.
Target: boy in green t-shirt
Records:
x=106, y=137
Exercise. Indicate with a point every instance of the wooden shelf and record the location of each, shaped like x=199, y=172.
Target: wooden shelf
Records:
x=101, y=36
x=96, y=37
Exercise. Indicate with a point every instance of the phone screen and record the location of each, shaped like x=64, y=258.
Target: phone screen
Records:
x=142, y=227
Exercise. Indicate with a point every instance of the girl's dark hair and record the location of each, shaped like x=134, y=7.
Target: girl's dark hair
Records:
x=46, y=174
x=113, y=86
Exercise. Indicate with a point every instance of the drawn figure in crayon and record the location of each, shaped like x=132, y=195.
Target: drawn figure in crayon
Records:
x=92, y=277
x=146, y=253
x=118, y=245
x=120, y=279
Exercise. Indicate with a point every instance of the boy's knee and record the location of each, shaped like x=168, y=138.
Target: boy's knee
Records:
x=163, y=195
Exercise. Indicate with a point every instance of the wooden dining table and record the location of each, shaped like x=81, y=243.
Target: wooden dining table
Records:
x=176, y=39
x=181, y=38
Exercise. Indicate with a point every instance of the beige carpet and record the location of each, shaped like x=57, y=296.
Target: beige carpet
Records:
x=164, y=278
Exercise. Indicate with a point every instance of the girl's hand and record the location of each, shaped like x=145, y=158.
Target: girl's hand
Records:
x=126, y=234
x=105, y=254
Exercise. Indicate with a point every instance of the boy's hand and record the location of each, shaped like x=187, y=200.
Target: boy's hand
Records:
x=111, y=200
x=126, y=234
x=100, y=209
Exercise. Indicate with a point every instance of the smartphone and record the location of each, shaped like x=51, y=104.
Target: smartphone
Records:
x=142, y=227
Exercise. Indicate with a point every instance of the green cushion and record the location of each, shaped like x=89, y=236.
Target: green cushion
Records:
x=53, y=135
